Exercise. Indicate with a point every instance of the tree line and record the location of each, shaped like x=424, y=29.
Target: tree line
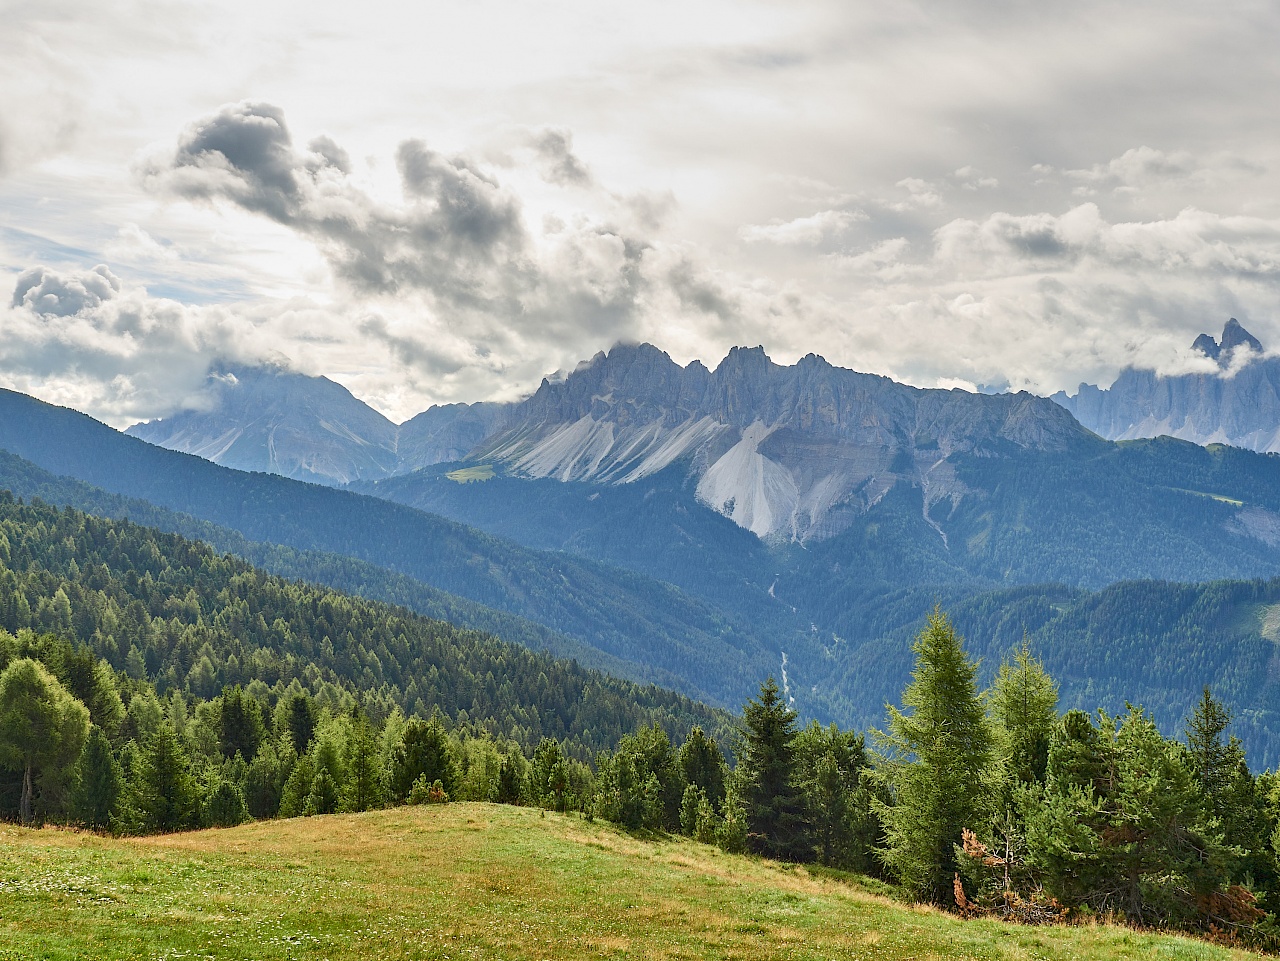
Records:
x=148, y=684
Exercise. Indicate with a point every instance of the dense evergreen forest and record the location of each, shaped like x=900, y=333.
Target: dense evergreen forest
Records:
x=148, y=683
x=163, y=608
x=616, y=611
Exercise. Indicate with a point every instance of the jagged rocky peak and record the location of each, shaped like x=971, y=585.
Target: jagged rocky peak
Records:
x=1236, y=404
x=785, y=451
x=1233, y=335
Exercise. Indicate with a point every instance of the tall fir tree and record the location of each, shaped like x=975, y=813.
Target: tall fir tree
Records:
x=241, y=722
x=767, y=776
x=703, y=765
x=363, y=789
x=936, y=763
x=423, y=751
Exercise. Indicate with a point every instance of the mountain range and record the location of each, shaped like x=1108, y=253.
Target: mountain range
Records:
x=700, y=529
x=1233, y=398
x=788, y=453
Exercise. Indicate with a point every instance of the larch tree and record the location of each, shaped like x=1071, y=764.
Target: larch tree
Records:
x=42, y=727
x=936, y=759
x=1024, y=702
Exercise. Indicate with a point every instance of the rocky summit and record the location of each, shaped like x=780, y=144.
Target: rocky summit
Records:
x=786, y=452
x=1233, y=400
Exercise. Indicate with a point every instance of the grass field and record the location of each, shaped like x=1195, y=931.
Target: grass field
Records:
x=466, y=881
x=468, y=475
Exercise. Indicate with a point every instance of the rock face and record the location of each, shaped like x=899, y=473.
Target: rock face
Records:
x=787, y=452
x=1236, y=401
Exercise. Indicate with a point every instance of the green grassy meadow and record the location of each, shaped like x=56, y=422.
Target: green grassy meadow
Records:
x=464, y=881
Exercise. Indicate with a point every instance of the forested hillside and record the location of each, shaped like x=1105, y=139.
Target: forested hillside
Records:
x=337, y=571
x=161, y=607
x=626, y=615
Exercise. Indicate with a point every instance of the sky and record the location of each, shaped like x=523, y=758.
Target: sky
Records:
x=432, y=202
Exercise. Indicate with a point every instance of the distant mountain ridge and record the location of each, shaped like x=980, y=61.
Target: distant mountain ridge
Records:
x=277, y=421
x=1235, y=400
x=789, y=453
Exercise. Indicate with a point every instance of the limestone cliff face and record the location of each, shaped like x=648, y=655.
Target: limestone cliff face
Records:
x=1236, y=403
x=786, y=452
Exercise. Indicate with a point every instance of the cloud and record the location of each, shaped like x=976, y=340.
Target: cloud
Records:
x=46, y=292
x=554, y=146
x=1194, y=242
x=458, y=236
x=1146, y=174
x=806, y=231
x=85, y=339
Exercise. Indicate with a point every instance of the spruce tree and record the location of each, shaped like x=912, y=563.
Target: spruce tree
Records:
x=509, y=786
x=936, y=765
x=424, y=750
x=300, y=718
x=241, y=723
x=223, y=806
x=363, y=789
x=774, y=806
x=166, y=792
x=703, y=764
x=1230, y=791
x=1214, y=758
x=99, y=788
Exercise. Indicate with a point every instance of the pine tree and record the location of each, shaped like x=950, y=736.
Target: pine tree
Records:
x=767, y=773
x=936, y=765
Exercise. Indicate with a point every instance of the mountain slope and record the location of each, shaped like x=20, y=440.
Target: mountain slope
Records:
x=487, y=881
x=1152, y=642
x=624, y=614
x=789, y=453
x=1234, y=399
x=271, y=419
x=342, y=573
x=196, y=622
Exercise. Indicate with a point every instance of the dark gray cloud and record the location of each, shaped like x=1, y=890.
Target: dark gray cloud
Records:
x=244, y=153
x=459, y=237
